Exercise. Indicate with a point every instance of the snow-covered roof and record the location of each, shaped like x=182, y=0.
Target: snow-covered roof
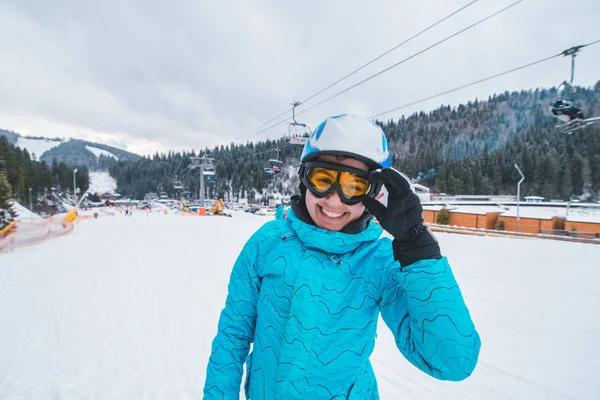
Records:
x=477, y=210
x=536, y=212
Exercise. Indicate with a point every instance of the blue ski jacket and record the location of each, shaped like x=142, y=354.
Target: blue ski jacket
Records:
x=307, y=301
x=279, y=212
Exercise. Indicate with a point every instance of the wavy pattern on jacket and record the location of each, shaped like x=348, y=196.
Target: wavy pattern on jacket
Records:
x=308, y=300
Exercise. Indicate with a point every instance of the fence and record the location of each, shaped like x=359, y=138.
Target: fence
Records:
x=22, y=234
x=576, y=234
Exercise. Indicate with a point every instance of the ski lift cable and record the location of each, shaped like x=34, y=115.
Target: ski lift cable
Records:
x=363, y=66
x=279, y=147
x=464, y=86
x=393, y=66
x=477, y=82
x=390, y=50
x=260, y=126
x=412, y=56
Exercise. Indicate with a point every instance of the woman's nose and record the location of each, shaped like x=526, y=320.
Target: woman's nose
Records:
x=334, y=198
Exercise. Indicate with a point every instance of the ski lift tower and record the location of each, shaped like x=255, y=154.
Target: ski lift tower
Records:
x=207, y=167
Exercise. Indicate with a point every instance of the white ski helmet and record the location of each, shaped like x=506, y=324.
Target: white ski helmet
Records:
x=349, y=135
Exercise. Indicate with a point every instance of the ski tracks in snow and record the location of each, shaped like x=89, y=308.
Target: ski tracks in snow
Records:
x=127, y=308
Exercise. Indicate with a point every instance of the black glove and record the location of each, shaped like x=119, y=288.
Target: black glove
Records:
x=403, y=218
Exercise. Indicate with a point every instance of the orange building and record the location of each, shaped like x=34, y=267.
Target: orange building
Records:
x=471, y=217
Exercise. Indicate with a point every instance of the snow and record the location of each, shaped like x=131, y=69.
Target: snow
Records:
x=24, y=214
x=126, y=308
x=536, y=212
x=584, y=215
x=102, y=182
x=37, y=146
x=99, y=152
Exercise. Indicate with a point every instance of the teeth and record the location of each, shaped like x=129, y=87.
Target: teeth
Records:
x=331, y=214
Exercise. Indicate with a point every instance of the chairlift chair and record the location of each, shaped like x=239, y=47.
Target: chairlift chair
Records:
x=297, y=139
x=565, y=110
x=273, y=165
x=177, y=184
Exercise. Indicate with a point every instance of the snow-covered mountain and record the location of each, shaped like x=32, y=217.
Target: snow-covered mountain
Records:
x=74, y=152
x=37, y=147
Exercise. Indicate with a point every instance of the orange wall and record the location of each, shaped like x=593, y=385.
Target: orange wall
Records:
x=429, y=216
x=582, y=226
x=547, y=223
x=461, y=219
x=526, y=225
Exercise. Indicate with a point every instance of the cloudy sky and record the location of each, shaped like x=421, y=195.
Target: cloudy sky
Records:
x=161, y=75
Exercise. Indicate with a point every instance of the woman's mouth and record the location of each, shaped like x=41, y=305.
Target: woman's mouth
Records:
x=330, y=213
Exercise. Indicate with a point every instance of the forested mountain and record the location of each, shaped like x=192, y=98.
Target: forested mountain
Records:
x=473, y=148
x=73, y=152
x=10, y=136
x=469, y=149
x=84, y=153
x=23, y=173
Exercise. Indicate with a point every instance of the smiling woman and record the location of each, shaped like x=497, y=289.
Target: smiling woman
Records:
x=307, y=291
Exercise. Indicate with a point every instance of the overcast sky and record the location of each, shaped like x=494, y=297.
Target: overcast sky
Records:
x=161, y=75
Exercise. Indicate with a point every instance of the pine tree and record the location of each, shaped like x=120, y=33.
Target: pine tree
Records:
x=7, y=214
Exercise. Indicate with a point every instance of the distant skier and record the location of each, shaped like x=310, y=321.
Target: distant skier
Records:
x=307, y=292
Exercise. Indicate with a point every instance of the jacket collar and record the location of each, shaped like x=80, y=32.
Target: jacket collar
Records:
x=329, y=241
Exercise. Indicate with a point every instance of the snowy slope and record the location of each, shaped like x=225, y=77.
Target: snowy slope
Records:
x=102, y=182
x=23, y=213
x=37, y=146
x=126, y=308
x=99, y=152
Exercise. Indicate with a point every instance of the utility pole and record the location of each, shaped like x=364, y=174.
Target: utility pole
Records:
x=74, y=188
x=207, y=167
x=30, y=206
x=519, y=194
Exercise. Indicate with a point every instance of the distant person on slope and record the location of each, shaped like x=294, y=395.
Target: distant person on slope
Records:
x=307, y=291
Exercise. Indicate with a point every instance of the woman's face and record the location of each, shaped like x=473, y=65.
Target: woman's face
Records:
x=329, y=212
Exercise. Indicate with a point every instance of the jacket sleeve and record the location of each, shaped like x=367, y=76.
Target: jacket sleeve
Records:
x=423, y=306
x=235, y=330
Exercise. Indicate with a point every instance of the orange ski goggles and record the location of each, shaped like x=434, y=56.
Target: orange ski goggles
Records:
x=352, y=184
